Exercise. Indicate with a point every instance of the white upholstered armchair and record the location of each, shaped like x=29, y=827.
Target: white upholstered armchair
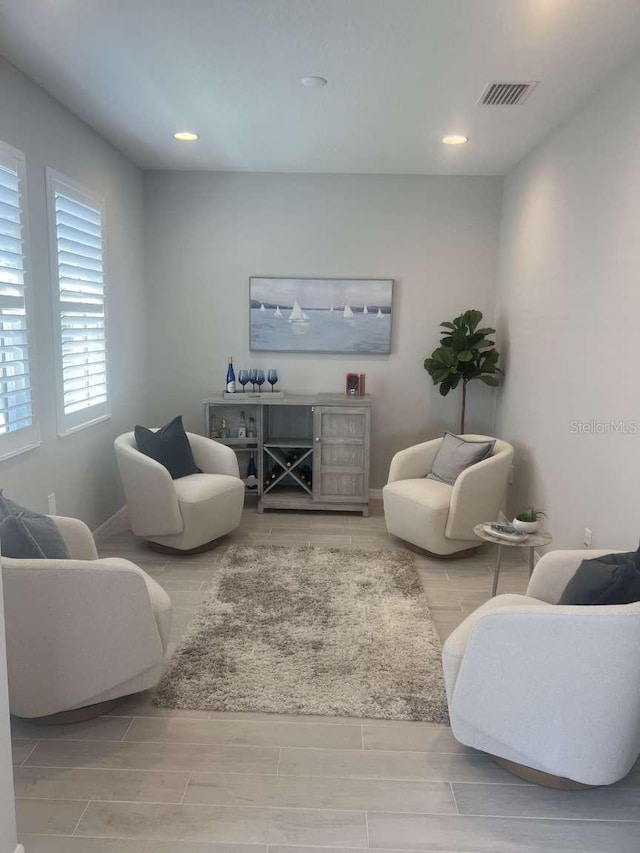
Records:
x=81, y=631
x=548, y=687
x=187, y=514
x=435, y=516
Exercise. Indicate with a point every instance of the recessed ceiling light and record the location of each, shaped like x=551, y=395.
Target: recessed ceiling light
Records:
x=314, y=82
x=186, y=136
x=455, y=139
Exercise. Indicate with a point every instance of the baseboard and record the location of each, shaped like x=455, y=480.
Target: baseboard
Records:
x=117, y=523
x=375, y=494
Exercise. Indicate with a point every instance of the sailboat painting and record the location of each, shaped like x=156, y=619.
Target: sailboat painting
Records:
x=334, y=315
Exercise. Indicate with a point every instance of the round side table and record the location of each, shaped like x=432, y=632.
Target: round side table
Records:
x=533, y=540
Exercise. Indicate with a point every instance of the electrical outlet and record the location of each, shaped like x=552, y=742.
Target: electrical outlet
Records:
x=51, y=500
x=587, y=537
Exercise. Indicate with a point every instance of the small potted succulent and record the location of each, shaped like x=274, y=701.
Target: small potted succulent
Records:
x=528, y=520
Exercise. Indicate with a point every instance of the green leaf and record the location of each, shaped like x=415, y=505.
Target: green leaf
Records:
x=485, y=332
x=448, y=325
x=471, y=318
x=489, y=359
x=439, y=374
x=445, y=388
x=489, y=379
x=465, y=355
x=459, y=340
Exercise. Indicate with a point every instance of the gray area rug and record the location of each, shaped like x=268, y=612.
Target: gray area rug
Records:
x=311, y=631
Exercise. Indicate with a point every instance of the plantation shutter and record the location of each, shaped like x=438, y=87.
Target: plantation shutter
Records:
x=79, y=264
x=17, y=427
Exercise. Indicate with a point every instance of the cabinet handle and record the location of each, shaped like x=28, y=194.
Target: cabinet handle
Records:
x=317, y=438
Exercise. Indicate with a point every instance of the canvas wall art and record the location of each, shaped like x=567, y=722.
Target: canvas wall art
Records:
x=335, y=315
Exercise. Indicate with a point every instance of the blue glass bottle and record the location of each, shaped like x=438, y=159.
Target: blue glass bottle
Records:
x=231, y=378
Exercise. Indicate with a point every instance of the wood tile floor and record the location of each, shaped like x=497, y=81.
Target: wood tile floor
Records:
x=151, y=780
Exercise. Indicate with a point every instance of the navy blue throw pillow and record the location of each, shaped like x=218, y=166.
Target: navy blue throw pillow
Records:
x=169, y=446
x=611, y=579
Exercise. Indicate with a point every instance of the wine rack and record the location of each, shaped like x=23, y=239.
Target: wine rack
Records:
x=288, y=461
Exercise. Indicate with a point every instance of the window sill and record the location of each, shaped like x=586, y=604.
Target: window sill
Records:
x=86, y=425
x=19, y=451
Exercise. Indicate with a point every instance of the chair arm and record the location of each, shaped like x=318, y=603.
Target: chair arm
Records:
x=546, y=682
x=77, y=536
x=477, y=495
x=414, y=462
x=554, y=570
x=149, y=492
x=75, y=629
x=212, y=457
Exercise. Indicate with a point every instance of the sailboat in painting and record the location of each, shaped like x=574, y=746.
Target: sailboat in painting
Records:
x=365, y=310
x=380, y=315
x=278, y=313
x=297, y=314
x=262, y=308
x=347, y=313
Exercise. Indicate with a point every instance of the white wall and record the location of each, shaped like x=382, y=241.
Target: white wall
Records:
x=79, y=468
x=568, y=306
x=207, y=233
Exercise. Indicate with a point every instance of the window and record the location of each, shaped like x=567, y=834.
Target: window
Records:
x=77, y=247
x=18, y=431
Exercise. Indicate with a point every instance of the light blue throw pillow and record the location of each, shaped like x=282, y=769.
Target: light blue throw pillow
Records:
x=455, y=454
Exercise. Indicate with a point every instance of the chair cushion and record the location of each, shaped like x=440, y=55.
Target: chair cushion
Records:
x=610, y=579
x=27, y=534
x=429, y=493
x=169, y=446
x=456, y=643
x=202, y=487
x=455, y=454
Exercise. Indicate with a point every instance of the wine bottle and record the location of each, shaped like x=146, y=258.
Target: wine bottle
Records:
x=231, y=377
x=225, y=432
x=291, y=459
x=252, y=474
x=214, y=432
x=242, y=426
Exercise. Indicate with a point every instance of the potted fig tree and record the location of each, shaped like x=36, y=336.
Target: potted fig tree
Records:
x=465, y=353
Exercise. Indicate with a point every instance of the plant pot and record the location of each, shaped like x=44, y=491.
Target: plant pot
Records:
x=526, y=526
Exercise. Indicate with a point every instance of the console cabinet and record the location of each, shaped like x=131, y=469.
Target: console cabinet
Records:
x=311, y=452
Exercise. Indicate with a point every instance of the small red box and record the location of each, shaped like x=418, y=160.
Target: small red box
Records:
x=354, y=385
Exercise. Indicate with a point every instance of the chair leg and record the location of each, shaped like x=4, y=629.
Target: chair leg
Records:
x=539, y=777
x=457, y=555
x=177, y=552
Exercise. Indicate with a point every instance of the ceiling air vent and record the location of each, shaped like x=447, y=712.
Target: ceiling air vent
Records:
x=506, y=94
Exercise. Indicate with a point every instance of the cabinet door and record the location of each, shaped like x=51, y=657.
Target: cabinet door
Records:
x=341, y=454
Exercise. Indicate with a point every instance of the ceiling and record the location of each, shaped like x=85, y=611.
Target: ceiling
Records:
x=402, y=73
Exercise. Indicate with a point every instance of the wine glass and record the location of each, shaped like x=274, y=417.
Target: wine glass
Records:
x=252, y=378
x=243, y=378
x=272, y=377
x=259, y=379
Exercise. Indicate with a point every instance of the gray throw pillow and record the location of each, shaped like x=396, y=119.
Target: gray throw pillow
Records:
x=27, y=534
x=455, y=454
